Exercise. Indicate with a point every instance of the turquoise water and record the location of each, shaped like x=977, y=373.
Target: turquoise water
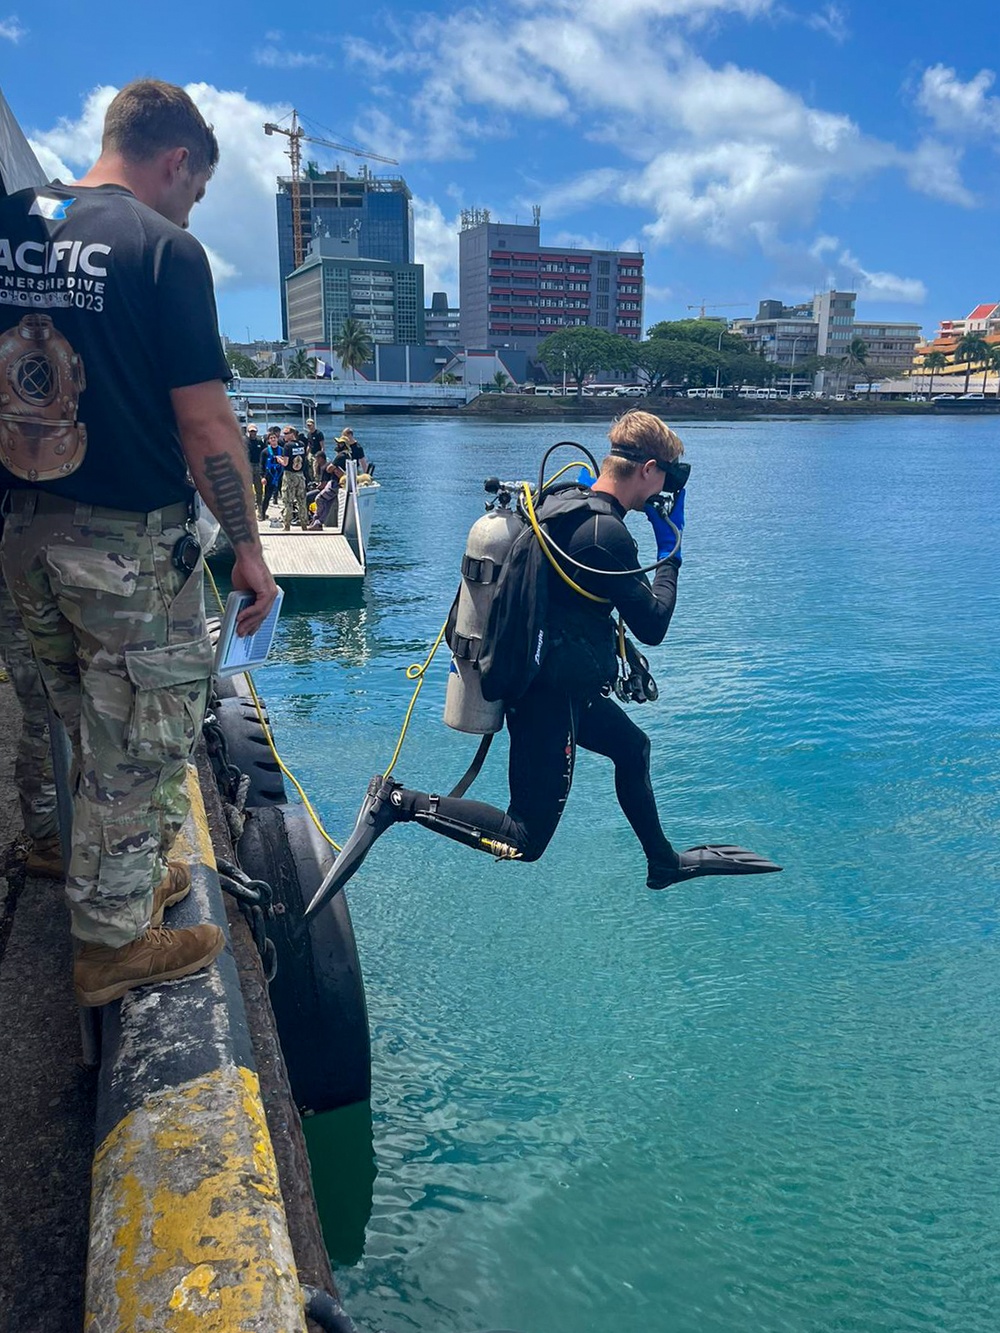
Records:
x=748, y=1106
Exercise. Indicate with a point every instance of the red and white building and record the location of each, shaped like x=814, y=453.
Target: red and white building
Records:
x=514, y=292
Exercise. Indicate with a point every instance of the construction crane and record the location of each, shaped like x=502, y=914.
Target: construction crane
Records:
x=733, y=305
x=296, y=136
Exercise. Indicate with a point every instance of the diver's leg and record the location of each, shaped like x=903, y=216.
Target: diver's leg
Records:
x=539, y=773
x=541, y=770
x=606, y=729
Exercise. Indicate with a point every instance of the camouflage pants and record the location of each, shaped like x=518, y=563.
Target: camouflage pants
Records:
x=293, y=494
x=33, y=766
x=121, y=644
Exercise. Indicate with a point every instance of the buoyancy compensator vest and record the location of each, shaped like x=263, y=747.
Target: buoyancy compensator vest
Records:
x=529, y=632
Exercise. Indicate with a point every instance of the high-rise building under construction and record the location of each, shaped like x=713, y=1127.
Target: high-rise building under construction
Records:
x=377, y=211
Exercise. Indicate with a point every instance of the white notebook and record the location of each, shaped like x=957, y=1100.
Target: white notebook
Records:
x=234, y=654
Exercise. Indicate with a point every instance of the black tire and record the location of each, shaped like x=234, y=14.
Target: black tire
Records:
x=318, y=993
x=224, y=687
x=249, y=751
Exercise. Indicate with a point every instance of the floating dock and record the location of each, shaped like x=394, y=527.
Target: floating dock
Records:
x=309, y=555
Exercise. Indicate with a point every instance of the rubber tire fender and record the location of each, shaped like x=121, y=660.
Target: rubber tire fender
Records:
x=318, y=993
x=249, y=751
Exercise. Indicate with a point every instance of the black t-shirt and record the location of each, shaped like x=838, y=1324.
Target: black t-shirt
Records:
x=315, y=440
x=295, y=452
x=105, y=306
x=347, y=451
x=255, y=447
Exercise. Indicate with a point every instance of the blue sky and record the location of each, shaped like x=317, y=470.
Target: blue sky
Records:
x=751, y=148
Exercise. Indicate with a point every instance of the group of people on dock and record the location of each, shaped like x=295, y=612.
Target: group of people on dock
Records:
x=293, y=465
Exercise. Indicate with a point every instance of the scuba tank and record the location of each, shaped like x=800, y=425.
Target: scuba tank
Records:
x=488, y=544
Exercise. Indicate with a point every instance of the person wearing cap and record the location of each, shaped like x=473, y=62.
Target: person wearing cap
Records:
x=255, y=450
x=349, y=448
x=315, y=439
x=566, y=705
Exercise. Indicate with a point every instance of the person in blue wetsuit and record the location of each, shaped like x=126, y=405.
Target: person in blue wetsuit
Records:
x=567, y=705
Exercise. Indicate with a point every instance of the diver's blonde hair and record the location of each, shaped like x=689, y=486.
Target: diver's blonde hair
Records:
x=642, y=431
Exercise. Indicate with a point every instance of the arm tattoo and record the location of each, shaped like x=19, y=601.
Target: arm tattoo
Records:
x=229, y=498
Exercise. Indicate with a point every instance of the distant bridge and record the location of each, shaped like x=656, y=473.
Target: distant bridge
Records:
x=336, y=395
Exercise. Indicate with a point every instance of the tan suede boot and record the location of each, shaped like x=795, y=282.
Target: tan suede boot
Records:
x=173, y=889
x=102, y=974
x=45, y=859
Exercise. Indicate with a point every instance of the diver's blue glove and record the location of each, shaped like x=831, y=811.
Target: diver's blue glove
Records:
x=666, y=538
x=585, y=477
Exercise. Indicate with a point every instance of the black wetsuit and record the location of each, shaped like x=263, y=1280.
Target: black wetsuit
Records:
x=565, y=707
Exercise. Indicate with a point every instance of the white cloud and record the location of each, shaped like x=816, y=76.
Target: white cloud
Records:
x=874, y=286
x=51, y=163
x=748, y=159
x=12, y=29
x=273, y=57
x=236, y=220
x=77, y=143
x=934, y=169
x=435, y=241
x=962, y=109
x=832, y=20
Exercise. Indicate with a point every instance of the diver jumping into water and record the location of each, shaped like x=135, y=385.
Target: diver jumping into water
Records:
x=566, y=705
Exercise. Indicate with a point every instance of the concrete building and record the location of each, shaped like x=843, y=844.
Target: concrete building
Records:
x=788, y=335
x=377, y=211
x=441, y=321
x=890, y=346
x=335, y=283
x=514, y=292
x=983, y=321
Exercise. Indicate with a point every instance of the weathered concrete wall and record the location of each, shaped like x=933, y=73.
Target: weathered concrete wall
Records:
x=47, y=1099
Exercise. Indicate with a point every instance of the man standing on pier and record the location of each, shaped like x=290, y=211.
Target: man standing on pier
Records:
x=110, y=353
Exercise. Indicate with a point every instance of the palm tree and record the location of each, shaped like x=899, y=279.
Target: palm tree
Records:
x=301, y=366
x=500, y=380
x=273, y=371
x=353, y=347
x=973, y=349
x=934, y=361
x=994, y=364
x=855, y=358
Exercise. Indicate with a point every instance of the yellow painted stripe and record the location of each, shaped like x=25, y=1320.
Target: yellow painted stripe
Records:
x=188, y=1231
x=203, y=851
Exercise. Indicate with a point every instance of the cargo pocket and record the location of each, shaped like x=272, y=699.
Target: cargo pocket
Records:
x=170, y=689
x=97, y=571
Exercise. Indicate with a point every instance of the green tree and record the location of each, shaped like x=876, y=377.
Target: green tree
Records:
x=668, y=360
x=273, y=371
x=933, y=362
x=302, y=366
x=712, y=333
x=994, y=364
x=973, y=350
x=583, y=350
x=501, y=380
x=353, y=347
x=446, y=377
x=244, y=365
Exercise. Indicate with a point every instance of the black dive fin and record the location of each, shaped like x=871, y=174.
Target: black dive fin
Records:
x=714, y=859
x=375, y=816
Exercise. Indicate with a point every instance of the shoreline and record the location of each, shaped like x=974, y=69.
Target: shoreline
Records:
x=514, y=407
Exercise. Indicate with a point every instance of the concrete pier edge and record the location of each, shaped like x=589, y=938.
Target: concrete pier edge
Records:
x=188, y=1228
